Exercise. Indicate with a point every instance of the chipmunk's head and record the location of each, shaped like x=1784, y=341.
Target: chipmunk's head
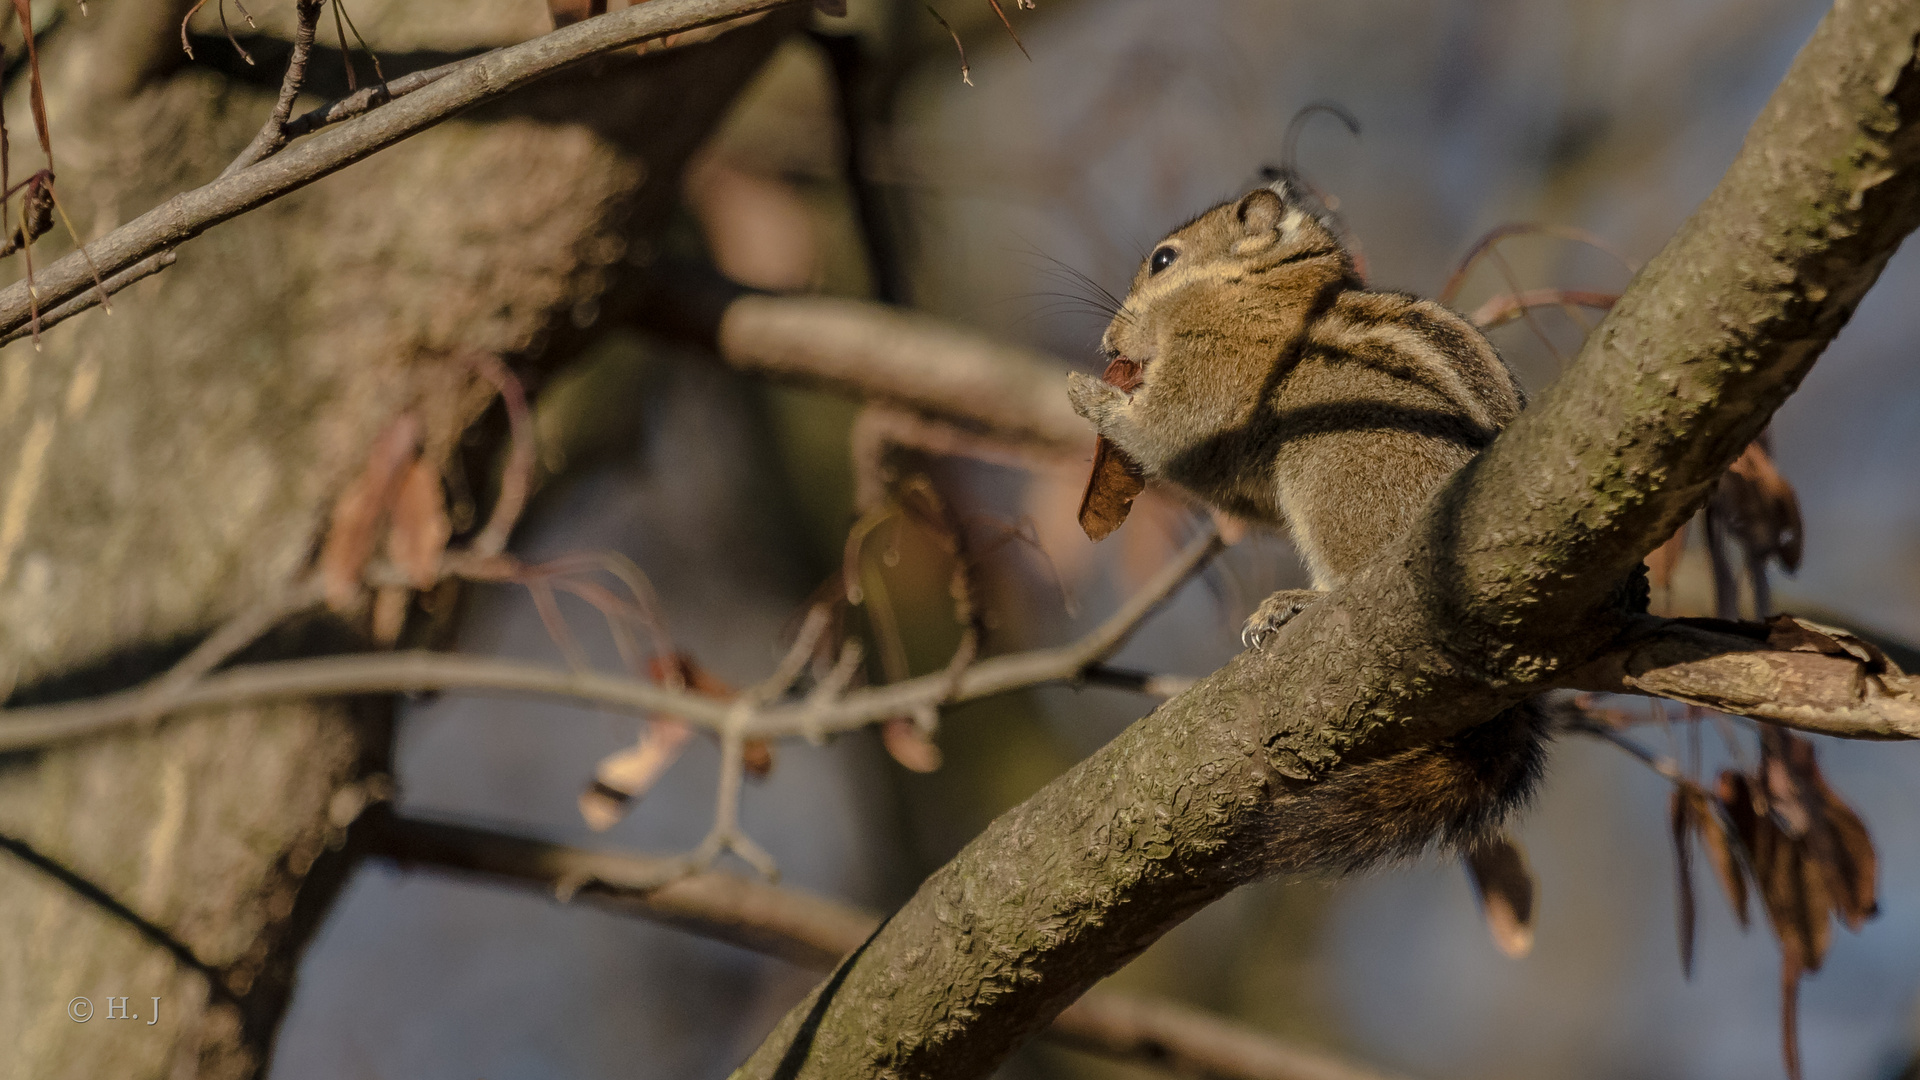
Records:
x=1272, y=249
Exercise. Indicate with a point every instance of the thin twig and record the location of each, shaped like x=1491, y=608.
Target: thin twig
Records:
x=726, y=834
x=274, y=135
x=224, y=643
x=1508, y=306
x=1494, y=236
x=364, y=99
x=516, y=477
x=90, y=299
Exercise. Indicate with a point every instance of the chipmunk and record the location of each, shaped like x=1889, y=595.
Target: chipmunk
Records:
x=1273, y=385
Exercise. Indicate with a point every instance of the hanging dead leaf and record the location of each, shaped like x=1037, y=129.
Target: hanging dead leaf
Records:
x=1754, y=510
x=909, y=745
x=1810, y=856
x=624, y=777
x=354, y=528
x=1768, y=509
x=1834, y=840
x=1683, y=816
x=1721, y=855
x=756, y=756
x=1856, y=866
x=1505, y=885
x=1116, y=479
x=420, y=529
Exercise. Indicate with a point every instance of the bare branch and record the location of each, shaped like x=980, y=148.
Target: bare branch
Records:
x=516, y=477
x=365, y=99
x=414, y=672
x=220, y=646
x=483, y=78
x=815, y=932
x=1743, y=669
x=90, y=299
x=274, y=135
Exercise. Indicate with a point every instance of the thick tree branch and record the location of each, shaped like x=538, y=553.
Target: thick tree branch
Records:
x=1510, y=582
x=481, y=79
x=1798, y=675
x=816, y=932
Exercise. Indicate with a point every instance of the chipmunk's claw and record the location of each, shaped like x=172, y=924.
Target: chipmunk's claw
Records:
x=1275, y=612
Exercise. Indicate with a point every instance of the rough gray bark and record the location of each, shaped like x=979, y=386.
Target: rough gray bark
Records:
x=168, y=466
x=1503, y=588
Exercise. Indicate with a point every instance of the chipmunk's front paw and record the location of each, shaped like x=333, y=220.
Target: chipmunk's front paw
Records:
x=1274, y=613
x=1094, y=399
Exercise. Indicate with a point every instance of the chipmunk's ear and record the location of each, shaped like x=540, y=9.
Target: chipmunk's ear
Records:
x=1259, y=211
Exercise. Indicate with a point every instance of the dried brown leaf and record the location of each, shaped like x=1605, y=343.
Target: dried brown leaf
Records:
x=1856, y=867
x=1725, y=862
x=1505, y=885
x=1683, y=819
x=1790, y=972
x=1796, y=896
x=756, y=756
x=1116, y=479
x=357, y=514
x=1837, y=846
x=420, y=528
x=1126, y=374
x=623, y=778
x=1768, y=509
x=36, y=97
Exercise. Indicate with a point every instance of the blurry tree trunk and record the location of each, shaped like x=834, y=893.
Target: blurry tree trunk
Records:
x=168, y=466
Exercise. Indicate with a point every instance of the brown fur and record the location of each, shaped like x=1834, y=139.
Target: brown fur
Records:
x=1279, y=389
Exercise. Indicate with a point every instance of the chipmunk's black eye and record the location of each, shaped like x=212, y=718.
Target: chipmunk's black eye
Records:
x=1162, y=258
